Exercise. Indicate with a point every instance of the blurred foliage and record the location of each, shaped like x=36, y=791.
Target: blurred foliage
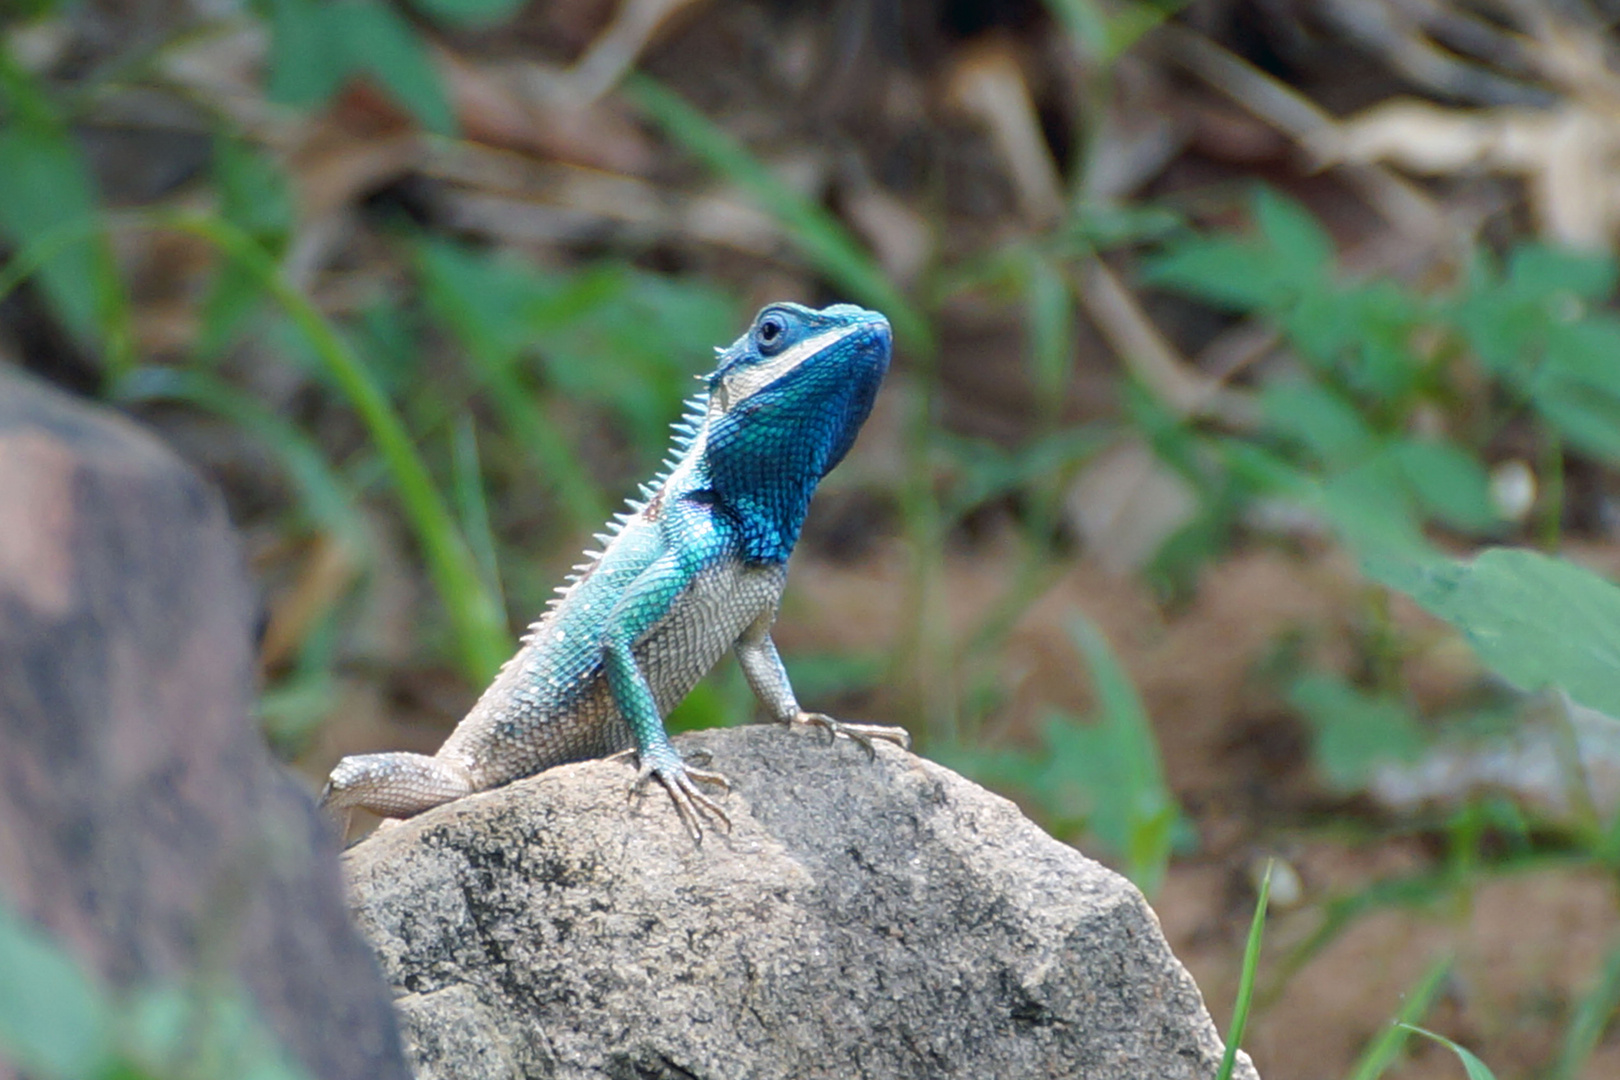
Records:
x=1382, y=416
x=1103, y=775
x=57, y=1022
x=1351, y=426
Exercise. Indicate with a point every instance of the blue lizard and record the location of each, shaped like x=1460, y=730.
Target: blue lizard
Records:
x=693, y=568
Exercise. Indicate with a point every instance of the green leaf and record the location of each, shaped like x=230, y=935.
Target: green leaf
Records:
x=45, y=189
x=1587, y=352
x=377, y=40
x=1109, y=769
x=315, y=49
x=1305, y=253
x=1448, y=483
x=470, y=14
x=1536, y=621
x=1589, y=420
x=1049, y=322
x=1376, y=1059
x=1318, y=419
x=307, y=64
x=54, y=1019
x=1510, y=322
x=1355, y=733
x=1231, y=274
x=1542, y=271
x=1475, y=1068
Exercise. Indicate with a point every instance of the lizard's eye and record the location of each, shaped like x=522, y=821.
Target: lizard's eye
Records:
x=770, y=335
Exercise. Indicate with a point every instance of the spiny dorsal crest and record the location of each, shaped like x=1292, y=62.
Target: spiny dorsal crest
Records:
x=683, y=433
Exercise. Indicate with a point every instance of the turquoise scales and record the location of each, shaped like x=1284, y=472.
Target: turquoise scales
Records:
x=694, y=568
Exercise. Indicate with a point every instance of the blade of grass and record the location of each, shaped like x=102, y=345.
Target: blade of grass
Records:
x=817, y=234
x=470, y=502
x=477, y=616
x=1251, y=964
x=522, y=410
x=1384, y=1049
x=1476, y=1069
x=1592, y=1015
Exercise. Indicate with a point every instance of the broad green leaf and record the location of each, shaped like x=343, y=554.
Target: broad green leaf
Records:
x=1588, y=419
x=1110, y=766
x=1323, y=422
x=315, y=48
x=1543, y=271
x=470, y=13
x=1536, y=621
x=1500, y=329
x=1371, y=508
x=631, y=340
x=1355, y=732
x=43, y=185
x=1305, y=252
x=377, y=40
x=1587, y=352
x=1232, y=274
x=1508, y=322
x=54, y=1019
x=480, y=298
x=1449, y=484
x=45, y=188
x=307, y=64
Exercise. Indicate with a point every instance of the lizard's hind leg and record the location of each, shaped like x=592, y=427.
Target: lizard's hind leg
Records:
x=394, y=785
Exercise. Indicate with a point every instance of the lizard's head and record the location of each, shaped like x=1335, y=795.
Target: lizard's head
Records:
x=785, y=403
x=803, y=378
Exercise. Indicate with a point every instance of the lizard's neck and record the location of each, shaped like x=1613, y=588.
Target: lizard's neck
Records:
x=764, y=458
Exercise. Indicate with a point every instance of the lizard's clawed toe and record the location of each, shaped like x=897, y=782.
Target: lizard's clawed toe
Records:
x=681, y=781
x=863, y=734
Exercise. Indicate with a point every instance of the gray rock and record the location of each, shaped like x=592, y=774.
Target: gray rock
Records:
x=143, y=823
x=862, y=919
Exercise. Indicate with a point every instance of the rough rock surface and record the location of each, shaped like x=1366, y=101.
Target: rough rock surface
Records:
x=863, y=919
x=142, y=821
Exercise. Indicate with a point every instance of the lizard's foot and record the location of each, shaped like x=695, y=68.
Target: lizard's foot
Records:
x=681, y=781
x=859, y=733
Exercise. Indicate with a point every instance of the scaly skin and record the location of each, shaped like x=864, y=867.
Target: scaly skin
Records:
x=695, y=568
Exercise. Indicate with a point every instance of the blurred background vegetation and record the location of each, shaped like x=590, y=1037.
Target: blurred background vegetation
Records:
x=1229, y=333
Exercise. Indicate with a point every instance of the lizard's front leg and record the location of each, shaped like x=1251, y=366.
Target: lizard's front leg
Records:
x=644, y=603
x=762, y=666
